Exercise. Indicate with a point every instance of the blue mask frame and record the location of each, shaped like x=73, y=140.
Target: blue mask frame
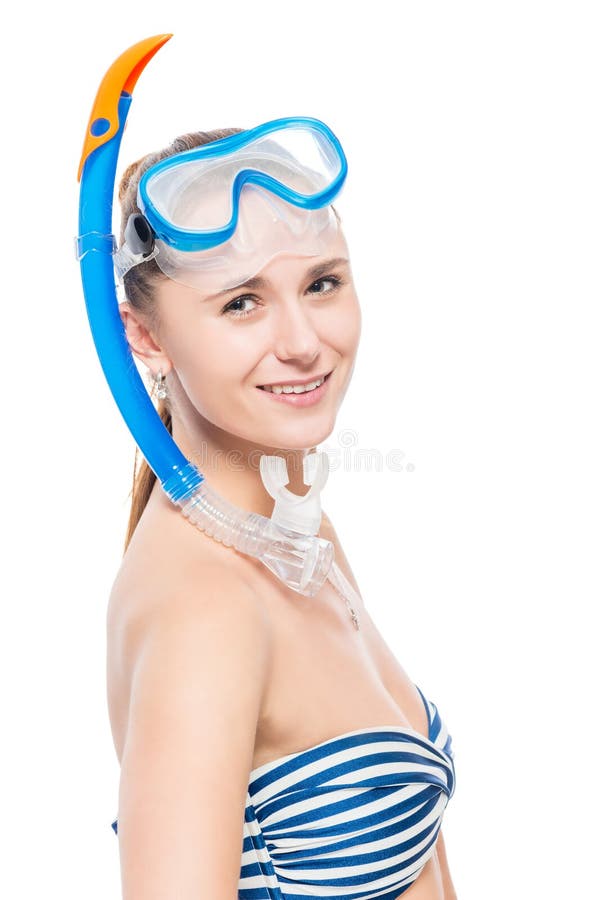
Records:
x=183, y=239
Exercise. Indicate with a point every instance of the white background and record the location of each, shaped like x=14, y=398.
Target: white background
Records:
x=472, y=210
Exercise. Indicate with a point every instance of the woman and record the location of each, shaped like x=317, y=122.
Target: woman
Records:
x=216, y=670
x=271, y=746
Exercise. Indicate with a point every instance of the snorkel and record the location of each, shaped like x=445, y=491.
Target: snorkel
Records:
x=287, y=543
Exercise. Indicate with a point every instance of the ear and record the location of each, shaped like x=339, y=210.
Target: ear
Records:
x=141, y=341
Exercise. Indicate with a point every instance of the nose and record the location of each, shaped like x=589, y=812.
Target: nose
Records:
x=295, y=334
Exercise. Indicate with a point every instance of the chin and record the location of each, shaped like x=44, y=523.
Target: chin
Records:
x=300, y=438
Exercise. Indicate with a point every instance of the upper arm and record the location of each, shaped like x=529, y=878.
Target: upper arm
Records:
x=196, y=690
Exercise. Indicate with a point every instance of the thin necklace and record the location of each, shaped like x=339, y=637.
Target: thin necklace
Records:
x=342, y=585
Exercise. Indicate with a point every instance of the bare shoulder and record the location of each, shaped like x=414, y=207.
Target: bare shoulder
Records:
x=179, y=588
x=169, y=558
x=159, y=589
x=190, y=651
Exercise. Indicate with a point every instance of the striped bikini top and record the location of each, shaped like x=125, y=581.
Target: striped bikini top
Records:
x=355, y=817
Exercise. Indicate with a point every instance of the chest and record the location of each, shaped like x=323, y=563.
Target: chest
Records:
x=328, y=678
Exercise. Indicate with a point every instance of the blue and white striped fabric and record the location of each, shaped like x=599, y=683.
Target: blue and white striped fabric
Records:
x=355, y=817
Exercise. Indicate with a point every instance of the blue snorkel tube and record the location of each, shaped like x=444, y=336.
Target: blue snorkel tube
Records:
x=287, y=543
x=95, y=247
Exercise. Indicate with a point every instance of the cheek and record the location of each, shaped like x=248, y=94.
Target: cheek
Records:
x=213, y=361
x=345, y=326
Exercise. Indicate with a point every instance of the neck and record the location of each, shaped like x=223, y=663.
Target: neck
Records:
x=231, y=464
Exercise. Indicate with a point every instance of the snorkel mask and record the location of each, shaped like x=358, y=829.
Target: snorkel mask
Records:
x=214, y=214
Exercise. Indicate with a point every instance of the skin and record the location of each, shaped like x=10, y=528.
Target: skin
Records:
x=213, y=361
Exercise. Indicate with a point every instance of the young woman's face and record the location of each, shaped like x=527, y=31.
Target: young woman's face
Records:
x=298, y=319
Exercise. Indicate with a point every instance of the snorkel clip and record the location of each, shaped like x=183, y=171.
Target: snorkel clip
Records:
x=138, y=245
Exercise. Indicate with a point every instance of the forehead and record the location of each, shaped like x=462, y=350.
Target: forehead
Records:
x=270, y=233
x=292, y=265
x=283, y=270
x=288, y=264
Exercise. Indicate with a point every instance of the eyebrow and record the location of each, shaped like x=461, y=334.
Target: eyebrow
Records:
x=258, y=281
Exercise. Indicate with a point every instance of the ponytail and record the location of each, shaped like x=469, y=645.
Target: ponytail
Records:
x=143, y=480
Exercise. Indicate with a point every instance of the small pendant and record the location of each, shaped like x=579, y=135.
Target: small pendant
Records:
x=352, y=613
x=342, y=587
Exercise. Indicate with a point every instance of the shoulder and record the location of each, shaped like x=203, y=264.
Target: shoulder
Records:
x=207, y=646
x=171, y=565
x=176, y=594
x=194, y=645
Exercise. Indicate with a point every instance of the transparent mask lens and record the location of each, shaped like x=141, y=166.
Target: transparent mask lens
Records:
x=197, y=194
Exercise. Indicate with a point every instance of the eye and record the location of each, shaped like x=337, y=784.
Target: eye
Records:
x=238, y=313
x=332, y=279
x=230, y=308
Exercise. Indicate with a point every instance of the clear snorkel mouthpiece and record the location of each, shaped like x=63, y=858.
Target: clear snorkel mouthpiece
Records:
x=286, y=543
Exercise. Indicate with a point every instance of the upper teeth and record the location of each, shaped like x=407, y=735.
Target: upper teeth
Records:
x=294, y=388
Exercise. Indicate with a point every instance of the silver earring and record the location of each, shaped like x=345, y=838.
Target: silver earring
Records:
x=159, y=381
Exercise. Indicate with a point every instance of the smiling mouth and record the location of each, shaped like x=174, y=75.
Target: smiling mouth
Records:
x=295, y=389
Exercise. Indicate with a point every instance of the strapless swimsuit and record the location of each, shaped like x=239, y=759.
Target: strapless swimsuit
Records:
x=355, y=817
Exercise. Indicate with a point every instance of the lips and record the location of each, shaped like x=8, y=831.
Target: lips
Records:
x=300, y=399
x=306, y=381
